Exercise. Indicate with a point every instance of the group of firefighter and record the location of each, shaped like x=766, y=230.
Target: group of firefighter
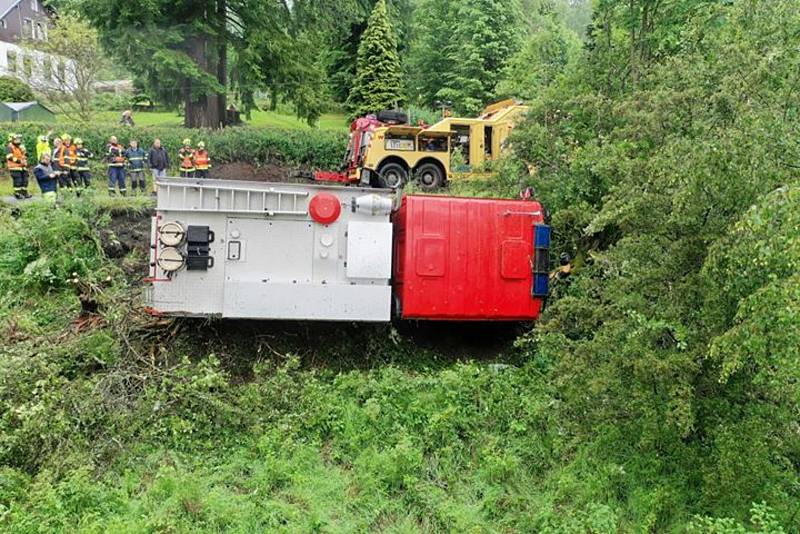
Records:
x=65, y=165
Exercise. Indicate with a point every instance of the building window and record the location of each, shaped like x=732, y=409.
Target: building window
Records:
x=27, y=29
x=11, y=60
x=47, y=68
x=35, y=5
x=27, y=66
x=3, y=24
x=39, y=31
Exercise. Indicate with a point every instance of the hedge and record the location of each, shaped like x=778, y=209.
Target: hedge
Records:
x=312, y=148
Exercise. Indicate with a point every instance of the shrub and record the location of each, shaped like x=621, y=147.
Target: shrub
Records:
x=15, y=90
x=312, y=148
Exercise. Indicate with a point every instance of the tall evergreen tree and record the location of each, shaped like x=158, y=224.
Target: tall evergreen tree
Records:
x=344, y=36
x=463, y=49
x=379, y=79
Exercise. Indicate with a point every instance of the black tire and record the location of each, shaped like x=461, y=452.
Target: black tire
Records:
x=429, y=176
x=392, y=176
x=392, y=116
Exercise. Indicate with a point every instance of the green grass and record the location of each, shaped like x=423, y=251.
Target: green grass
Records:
x=266, y=119
x=98, y=187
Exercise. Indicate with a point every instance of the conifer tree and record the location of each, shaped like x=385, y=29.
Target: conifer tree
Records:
x=378, y=83
x=462, y=50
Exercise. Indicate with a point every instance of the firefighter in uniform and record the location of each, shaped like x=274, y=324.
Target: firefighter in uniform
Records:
x=201, y=161
x=115, y=157
x=186, y=157
x=17, y=162
x=67, y=157
x=83, y=155
x=135, y=157
x=43, y=145
x=54, y=162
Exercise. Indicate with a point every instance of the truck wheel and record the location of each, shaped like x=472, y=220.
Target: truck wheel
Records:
x=392, y=176
x=430, y=176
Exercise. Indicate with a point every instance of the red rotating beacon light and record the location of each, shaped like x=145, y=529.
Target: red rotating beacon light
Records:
x=324, y=208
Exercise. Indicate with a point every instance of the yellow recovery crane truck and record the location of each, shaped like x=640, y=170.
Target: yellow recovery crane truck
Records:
x=385, y=152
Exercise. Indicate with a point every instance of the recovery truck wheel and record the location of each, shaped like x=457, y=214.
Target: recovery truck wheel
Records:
x=392, y=176
x=430, y=176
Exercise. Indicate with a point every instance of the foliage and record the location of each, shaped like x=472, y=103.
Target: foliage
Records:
x=193, y=52
x=342, y=39
x=461, y=50
x=378, y=78
x=67, y=83
x=674, y=346
x=117, y=102
x=15, y=90
x=545, y=55
x=762, y=519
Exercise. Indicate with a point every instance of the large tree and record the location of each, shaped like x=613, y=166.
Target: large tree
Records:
x=344, y=38
x=379, y=80
x=192, y=52
x=462, y=49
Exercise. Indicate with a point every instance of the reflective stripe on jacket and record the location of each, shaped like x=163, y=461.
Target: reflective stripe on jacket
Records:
x=135, y=157
x=115, y=155
x=82, y=156
x=186, y=155
x=67, y=156
x=16, y=158
x=201, y=160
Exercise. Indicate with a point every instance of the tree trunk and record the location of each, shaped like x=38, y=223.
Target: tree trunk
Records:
x=222, y=59
x=202, y=111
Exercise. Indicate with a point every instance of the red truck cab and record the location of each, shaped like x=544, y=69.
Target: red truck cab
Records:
x=470, y=259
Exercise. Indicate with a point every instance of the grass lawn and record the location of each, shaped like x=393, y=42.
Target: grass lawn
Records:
x=276, y=119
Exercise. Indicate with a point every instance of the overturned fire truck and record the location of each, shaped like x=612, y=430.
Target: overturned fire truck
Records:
x=237, y=249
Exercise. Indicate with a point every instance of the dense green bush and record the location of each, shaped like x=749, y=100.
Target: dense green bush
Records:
x=15, y=90
x=312, y=148
x=675, y=347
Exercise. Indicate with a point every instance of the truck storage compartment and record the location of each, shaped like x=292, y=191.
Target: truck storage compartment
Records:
x=469, y=259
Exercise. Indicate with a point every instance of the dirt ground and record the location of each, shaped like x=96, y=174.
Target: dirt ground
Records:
x=269, y=172
x=126, y=240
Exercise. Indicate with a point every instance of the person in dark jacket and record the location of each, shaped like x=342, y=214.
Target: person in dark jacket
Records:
x=158, y=160
x=82, y=157
x=47, y=178
x=135, y=158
